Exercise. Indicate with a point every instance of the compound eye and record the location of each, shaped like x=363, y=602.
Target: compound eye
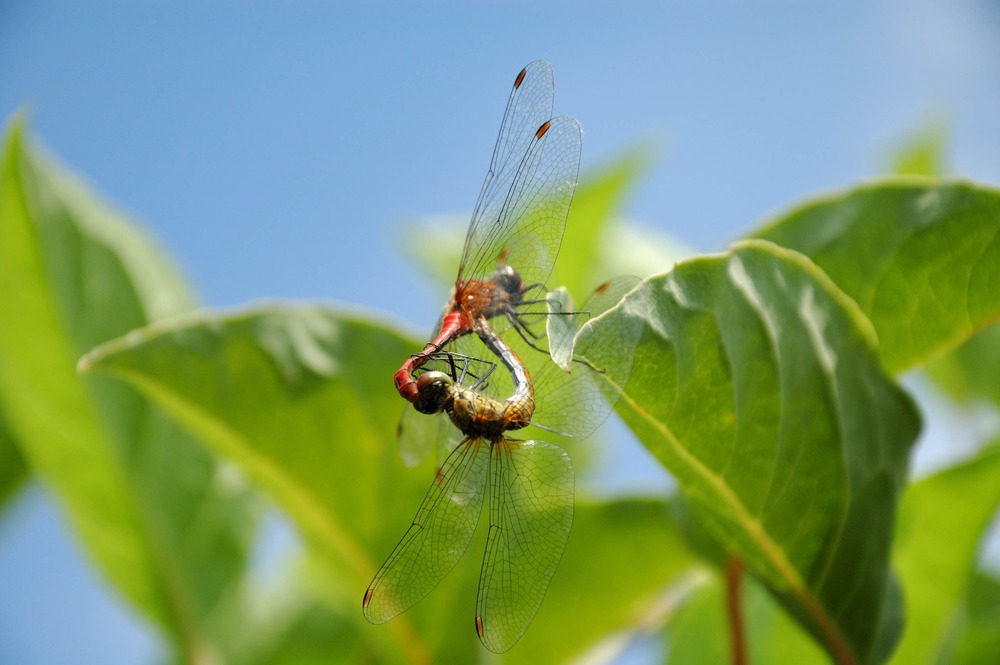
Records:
x=433, y=391
x=430, y=381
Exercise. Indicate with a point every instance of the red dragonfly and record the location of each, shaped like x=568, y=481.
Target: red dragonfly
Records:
x=529, y=482
x=518, y=222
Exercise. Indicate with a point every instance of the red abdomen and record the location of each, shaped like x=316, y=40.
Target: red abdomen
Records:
x=455, y=324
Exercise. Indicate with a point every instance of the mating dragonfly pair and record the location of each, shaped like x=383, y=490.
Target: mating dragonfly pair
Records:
x=510, y=248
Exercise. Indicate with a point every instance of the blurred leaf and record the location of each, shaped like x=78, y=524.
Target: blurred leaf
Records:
x=284, y=621
x=923, y=152
x=942, y=521
x=978, y=639
x=631, y=249
x=433, y=243
x=701, y=631
x=918, y=255
x=164, y=523
x=317, y=431
x=756, y=383
x=621, y=557
x=972, y=371
x=13, y=471
x=593, y=213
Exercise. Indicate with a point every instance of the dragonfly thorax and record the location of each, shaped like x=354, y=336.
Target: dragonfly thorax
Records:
x=507, y=279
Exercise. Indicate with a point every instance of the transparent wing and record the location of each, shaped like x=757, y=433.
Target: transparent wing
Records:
x=418, y=434
x=438, y=537
x=564, y=321
x=529, y=105
x=561, y=325
x=523, y=217
x=531, y=514
x=577, y=401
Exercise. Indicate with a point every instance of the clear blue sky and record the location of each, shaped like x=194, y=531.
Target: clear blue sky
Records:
x=276, y=149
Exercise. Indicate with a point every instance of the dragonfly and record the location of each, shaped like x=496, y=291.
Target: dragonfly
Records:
x=517, y=224
x=529, y=482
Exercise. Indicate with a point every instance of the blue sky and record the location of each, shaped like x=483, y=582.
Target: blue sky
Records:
x=277, y=148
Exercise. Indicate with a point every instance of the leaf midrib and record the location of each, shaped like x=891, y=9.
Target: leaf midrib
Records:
x=754, y=529
x=300, y=502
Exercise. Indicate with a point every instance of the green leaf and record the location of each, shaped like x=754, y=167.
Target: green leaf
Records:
x=283, y=619
x=302, y=399
x=166, y=524
x=317, y=431
x=942, y=522
x=593, y=594
x=972, y=371
x=978, y=638
x=701, y=633
x=13, y=471
x=920, y=256
x=756, y=383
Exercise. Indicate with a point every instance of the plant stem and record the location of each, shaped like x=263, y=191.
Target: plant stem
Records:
x=734, y=610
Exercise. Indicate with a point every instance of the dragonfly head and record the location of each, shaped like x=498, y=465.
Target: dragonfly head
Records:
x=507, y=279
x=433, y=392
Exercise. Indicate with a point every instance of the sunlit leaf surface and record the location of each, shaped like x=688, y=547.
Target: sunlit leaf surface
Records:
x=317, y=430
x=921, y=256
x=757, y=384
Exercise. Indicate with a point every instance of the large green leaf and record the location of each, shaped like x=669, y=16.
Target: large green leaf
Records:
x=921, y=257
x=165, y=523
x=942, y=521
x=302, y=398
x=316, y=431
x=756, y=382
x=972, y=371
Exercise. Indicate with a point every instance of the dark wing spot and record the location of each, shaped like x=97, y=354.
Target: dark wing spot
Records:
x=520, y=78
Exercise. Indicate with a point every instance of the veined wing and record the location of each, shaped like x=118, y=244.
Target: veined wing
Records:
x=519, y=148
x=438, y=537
x=564, y=320
x=531, y=514
x=529, y=105
x=575, y=398
x=524, y=221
